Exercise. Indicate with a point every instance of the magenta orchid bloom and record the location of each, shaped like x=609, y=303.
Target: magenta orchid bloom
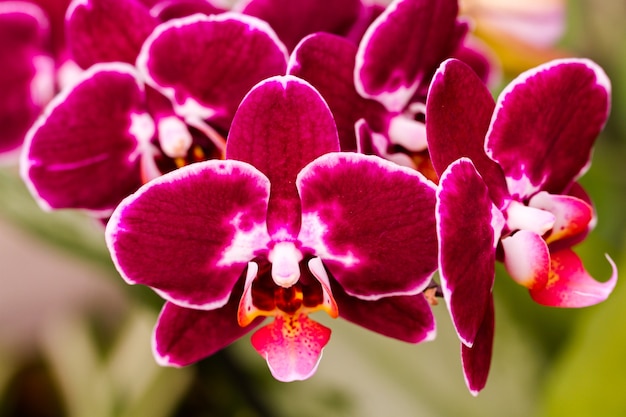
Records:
x=122, y=125
x=31, y=52
x=377, y=90
x=284, y=227
x=508, y=191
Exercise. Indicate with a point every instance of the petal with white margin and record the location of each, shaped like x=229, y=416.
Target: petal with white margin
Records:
x=372, y=223
x=469, y=227
x=189, y=234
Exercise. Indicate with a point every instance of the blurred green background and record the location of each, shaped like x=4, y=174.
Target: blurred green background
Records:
x=75, y=340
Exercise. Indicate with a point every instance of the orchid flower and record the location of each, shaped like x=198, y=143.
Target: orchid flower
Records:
x=284, y=227
x=377, y=89
x=31, y=54
x=123, y=125
x=508, y=191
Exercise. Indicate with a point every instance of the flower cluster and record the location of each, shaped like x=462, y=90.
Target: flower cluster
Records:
x=273, y=161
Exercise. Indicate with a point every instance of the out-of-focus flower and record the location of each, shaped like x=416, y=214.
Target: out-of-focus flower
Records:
x=377, y=90
x=37, y=61
x=285, y=226
x=293, y=21
x=508, y=191
x=31, y=52
x=122, y=125
x=115, y=30
x=522, y=33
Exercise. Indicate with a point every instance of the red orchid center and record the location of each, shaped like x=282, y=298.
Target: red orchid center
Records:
x=265, y=295
x=292, y=343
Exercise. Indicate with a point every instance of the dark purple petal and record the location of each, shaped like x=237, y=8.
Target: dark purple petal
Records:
x=546, y=123
x=369, y=12
x=189, y=234
x=26, y=68
x=55, y=11
x=371, y=221
x=293, y=20
x=327, y=62
x=477, y=359
x=84, y=152
x=458, y=112
x=403, y=47
x=206, y=64
x=183, y=336
x=282, y=125
x=405, y=317
x=469, y=227
x=173, y=9
x=107, y=30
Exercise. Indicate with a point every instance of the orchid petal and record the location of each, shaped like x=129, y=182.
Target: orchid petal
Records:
x=76, y=158
x=173, y=9
x=293, y=21
x=189, y=234
x=55, y=10
x=107, y=30
x=384, y=70
x=406, y=317
x=368, y=13
x=570, y=285
x=183, y=336
x=476, y=360
x=527, y=259
x=237, y=52
x=572, y=215
x=465, y=214
x=458, y=113
x=292, y=346
x=546, y=123
x=301, y=129
x=393, y=249
x=327, y=62
x=24, y=32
